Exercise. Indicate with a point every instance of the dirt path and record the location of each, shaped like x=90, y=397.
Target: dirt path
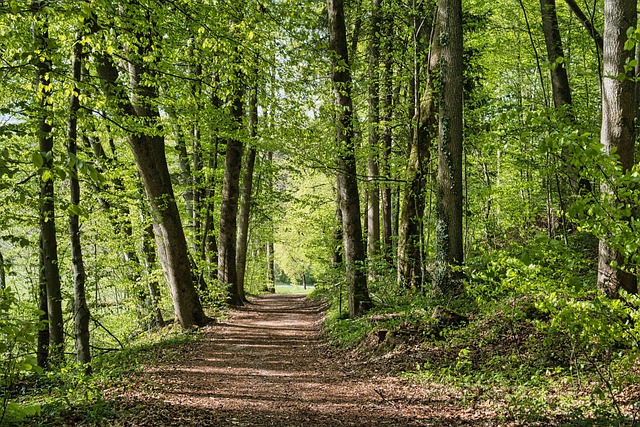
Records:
x=268, y=365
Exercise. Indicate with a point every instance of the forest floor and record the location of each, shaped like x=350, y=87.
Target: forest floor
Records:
x=269, y=364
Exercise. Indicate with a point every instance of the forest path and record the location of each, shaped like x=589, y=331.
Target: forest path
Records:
x=269, y=365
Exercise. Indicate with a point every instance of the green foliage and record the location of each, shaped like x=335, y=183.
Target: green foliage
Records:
x=17, y=336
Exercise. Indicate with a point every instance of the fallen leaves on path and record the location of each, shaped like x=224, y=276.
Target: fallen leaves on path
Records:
x=269, y=365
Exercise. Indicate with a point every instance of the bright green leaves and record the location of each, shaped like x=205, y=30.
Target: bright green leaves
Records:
x=17, y=337
x=49, y=170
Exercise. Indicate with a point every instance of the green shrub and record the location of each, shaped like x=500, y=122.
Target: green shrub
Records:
x=17, y=338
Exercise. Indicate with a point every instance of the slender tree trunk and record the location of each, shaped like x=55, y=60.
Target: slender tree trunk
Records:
x=3, y=277
x=198, y=193
x=387, y=111
x=449, y=231
x=359, y=300
x=50, y=274
x=184, y=166
x=617, y=130
x=373, y=187
x=560, y=88
x=559, y=79
x=227, y=273
x=42, y=350
x=413, y=198
x=81, y=310
x=337, y=258
x=271, y=268
x=588, y=25
x=271, y=265
x=247, y=188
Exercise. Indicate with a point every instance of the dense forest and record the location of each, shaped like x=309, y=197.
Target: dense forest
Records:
x=460, y=174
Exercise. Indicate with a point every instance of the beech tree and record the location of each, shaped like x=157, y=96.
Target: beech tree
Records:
x=81, y=310
x=354, y=252
x=149, y=151
x=49, y=268
x=449, y=232
x=617, y=131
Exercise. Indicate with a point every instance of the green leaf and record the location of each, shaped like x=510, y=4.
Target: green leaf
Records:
x=629, y=44
x=37, y=160
x=46, y=175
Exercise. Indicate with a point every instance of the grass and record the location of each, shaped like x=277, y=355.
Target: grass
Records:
x=286, y=288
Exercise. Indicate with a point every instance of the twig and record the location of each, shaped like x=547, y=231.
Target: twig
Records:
x=384, y=399
x=97, y=322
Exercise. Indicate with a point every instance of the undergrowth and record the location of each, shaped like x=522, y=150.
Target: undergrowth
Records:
x=541, y=343
x=66, y=396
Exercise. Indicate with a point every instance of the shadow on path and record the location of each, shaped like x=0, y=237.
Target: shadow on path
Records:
x=268, y=366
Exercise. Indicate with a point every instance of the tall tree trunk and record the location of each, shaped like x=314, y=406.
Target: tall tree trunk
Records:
x=81, y=310
x=387, y=111
x=449, y=232
x=359, y=300
x=410, y=263
x=198, y=166
x=247, y=189
x=227, y=273
x=271, y=264
x=149, y=153
x=50, y=274
x=373, y=187
x=617, y=132
x=209, y=244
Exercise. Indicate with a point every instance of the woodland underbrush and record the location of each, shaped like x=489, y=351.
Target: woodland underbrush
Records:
x=65, y=394
x=530, y=336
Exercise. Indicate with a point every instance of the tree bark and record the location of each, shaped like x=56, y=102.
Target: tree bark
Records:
x=227, y=273
x=410, y=263
x=271, y=265
x=150, y=259
x=3, y=277
x=149, y=153
x=359, y=300
x=617, y=132
x=449, y=232
x=247, y=189
x=50, y=274
x=81, y=310
x=559, y=79
x=387, y=138
x=373, y=187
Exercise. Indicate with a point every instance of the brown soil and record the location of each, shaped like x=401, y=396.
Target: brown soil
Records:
x=269, y=365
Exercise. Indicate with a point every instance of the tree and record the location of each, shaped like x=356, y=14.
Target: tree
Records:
x=148, y=149
x=373, y=187
x=449, y=234
x=359, y=300
x=49, y=270
x=617, y=132
x=81, y=313
x=247, y=190
x=227, y=273
x=410, y=260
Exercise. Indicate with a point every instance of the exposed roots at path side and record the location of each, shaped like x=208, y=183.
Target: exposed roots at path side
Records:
x=268, y=365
